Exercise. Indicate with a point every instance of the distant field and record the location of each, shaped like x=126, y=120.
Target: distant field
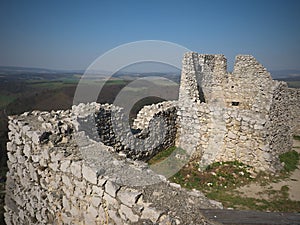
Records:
x=293, y=84
x=5, y=100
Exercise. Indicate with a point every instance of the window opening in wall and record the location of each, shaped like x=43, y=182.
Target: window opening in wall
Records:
x=235, y=103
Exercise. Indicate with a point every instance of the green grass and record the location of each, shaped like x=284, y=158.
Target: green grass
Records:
x=217, y=176
x=47, y=84
x=169, y=161
x=161, y=156
x=279, y=202
x=297, y=138
x=290, y=160
x=219, y=181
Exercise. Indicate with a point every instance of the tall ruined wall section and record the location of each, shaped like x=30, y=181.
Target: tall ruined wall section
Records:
x=279, y=124
x=59, y=176
x=241, y=112
x=294, y=105
x=192, y=113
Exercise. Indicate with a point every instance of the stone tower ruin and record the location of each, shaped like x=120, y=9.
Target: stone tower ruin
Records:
x=243, y=115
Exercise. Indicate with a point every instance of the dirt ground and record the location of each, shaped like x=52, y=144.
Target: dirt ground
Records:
x=255, y=190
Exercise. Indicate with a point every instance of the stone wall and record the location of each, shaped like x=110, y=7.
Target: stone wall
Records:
x=145, y=115
x=113, y=129
x=243, y=115
x=57, y=175
x=294, y=104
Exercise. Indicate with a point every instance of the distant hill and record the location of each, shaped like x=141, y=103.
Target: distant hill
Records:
x=285, y=74
x=8, y=70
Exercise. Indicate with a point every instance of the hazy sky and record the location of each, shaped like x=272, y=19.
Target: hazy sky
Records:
x=71, y=34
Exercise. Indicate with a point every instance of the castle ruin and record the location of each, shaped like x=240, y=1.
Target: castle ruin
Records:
x=60, y=172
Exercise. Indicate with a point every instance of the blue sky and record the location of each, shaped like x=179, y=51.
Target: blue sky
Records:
x=71, y=34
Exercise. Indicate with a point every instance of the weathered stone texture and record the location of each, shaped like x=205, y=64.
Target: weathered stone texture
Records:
x=294, y=105
x=50, y=182
x=243, y=115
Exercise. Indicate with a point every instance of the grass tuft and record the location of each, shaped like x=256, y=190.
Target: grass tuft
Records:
x=290, y=160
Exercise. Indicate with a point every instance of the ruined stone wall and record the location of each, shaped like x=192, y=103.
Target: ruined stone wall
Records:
x=57, y=175
x=112, y=128
x=294, y=105
x=249, y=85
x=145, y=115
x=244, y=114
x=279, y=123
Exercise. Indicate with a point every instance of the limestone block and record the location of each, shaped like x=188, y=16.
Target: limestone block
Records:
x=89, y=174
x=231, y=135
x=67, y=181
x=66, y=204
x=96, y=201
x=66, y=219
x=56, y=156
x=151, y=213
x=76, y=169
x=92, y=212
x=53, y=166
x=126, y=213
x=65, y=166
x=110, y=201
x=98, y=191
x=111, y=188
x=11, y=157
x=101, y=181
x=27, y=150
x=34, y=136
x=129, y=196
x=35, y=158
x=75, y=211
x=116, y=219
x=102, y=215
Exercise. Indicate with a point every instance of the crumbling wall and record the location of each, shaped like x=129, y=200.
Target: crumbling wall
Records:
x=145, y=115
x=109, y=125
x=279, y=124
x=294, y=105
x=244, y=114
x=249, y=86
x=57, y=175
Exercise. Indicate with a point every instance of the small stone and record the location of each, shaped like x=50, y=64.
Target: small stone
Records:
x=76, y=169
x=110, y=200
x=91, y=211
x=64, y=166
x=89, y=174
x=111, y=188
x=96, y=201
x=129, y=196
x=66, y=180
x=150, y=213
x=97, y=190
x=126, y=213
